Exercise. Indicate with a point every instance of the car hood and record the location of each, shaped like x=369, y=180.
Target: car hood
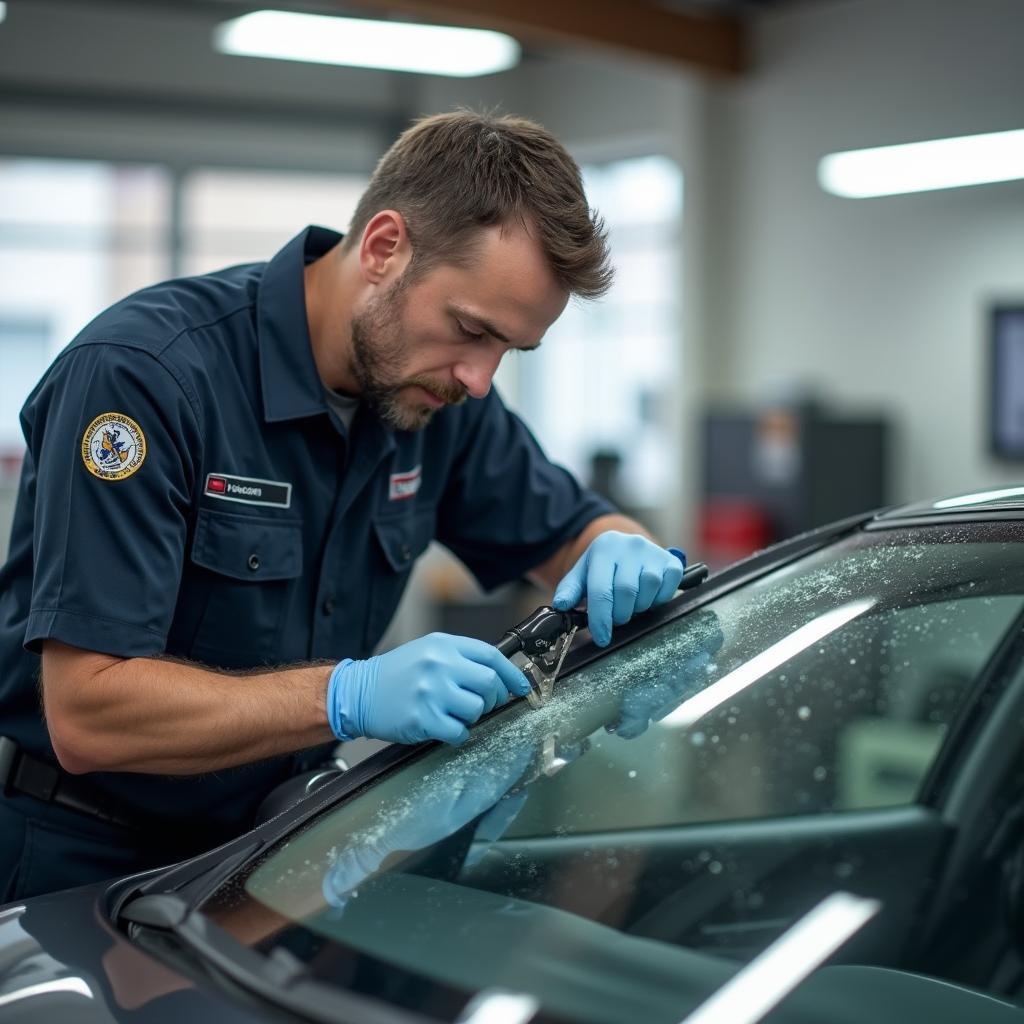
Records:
x=60, y=960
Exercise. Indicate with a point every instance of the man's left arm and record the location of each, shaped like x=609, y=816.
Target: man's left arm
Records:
x=619, y=569
x=508, y=511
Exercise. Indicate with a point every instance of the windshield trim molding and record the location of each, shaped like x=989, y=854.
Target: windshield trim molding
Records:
x=963, y=515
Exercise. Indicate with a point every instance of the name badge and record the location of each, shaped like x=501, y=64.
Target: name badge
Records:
x=249, y=490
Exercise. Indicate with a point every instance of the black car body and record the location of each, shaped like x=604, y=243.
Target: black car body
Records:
x=840, y=713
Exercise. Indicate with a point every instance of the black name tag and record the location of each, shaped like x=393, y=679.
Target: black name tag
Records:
x=248, y=490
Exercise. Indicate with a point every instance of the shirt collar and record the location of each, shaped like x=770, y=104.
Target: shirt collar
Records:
x=291, y=384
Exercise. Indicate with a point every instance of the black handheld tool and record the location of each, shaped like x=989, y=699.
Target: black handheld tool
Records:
x=538, y=645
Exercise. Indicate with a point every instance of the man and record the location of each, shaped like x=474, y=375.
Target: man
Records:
x=228, y=479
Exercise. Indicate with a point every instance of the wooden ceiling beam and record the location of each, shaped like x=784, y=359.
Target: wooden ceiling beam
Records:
x=713, y=43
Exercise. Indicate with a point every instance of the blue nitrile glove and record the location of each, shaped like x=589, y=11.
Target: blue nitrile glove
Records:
x=427, y=689
x=434, y=811
x=620, y=574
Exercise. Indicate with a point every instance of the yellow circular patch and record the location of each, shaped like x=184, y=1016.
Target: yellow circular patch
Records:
x=113, y=446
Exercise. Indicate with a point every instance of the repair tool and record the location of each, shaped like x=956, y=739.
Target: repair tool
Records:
x=537, y=646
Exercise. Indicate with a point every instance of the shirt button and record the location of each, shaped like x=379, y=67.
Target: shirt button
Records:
x=328, y=606
x=254, y=562
x=406, y=552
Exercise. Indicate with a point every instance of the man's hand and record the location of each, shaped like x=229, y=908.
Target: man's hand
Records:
x=428, y=689
x=620, y=574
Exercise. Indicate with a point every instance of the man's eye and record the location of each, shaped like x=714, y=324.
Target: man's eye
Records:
x=474, y=336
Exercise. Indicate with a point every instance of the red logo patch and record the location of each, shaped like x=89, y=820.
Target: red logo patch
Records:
x=404, y=485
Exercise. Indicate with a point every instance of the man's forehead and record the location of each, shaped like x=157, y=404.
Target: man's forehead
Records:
x=477, y=320
x=508, y=284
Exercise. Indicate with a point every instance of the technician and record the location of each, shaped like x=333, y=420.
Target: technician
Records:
x=229, y=477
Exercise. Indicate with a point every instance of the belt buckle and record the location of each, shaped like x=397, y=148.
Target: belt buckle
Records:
x=8, y=754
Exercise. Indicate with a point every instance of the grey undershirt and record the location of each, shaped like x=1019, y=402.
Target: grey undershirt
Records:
x=344, y=407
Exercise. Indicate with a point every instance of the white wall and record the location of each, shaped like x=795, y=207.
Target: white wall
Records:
x=881, y=303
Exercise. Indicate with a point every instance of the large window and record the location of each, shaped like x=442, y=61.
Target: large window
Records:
x=601, y=386
x=75, y=236
x=235, y=216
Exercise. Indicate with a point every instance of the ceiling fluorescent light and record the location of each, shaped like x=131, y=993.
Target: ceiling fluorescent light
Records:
x=362, y=43
x=924, y=166
x=3, y=11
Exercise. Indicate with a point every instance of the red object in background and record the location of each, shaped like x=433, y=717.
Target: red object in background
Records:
x=731, y=528
x=10, y=465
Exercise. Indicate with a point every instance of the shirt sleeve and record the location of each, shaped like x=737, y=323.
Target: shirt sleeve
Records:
x=115, y=444
x=507, y=508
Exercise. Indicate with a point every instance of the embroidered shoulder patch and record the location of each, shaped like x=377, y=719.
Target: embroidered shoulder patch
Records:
x=113, y=446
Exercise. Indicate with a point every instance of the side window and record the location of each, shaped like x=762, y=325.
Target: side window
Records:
x=849, y=719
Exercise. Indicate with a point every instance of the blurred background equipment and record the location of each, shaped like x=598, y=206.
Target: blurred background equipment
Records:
x=776, y=472
x=1007, y=382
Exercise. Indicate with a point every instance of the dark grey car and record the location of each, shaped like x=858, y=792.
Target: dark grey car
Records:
x=841, y=714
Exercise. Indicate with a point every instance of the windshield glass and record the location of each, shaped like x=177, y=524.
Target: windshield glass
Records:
x=619, y=853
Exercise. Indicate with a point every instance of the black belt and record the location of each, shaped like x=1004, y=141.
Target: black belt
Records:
x=22, y=773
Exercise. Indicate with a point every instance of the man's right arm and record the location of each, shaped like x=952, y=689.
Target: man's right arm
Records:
x=154, y=716
x=106, y=713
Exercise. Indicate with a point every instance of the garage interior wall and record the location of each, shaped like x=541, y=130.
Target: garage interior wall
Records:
x=877, y=304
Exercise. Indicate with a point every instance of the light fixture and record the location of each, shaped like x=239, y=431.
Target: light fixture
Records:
x=924, y=166
x=767, y=661
x=363, y=43
x=3, y=11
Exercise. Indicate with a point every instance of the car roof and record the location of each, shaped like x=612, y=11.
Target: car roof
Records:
x=1001, y=503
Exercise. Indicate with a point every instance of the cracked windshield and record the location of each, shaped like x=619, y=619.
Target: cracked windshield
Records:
x=616, y=854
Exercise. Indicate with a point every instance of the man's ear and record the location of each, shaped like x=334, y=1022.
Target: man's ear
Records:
x=384, y=250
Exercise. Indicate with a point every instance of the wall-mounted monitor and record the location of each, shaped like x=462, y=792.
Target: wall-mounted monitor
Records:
x=1007, y=394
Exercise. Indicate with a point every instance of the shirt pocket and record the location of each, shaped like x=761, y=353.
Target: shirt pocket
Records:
x=251, y=565
x=397, y=543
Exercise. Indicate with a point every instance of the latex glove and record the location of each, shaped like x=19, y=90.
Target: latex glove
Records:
x=436, y=810
x=652, y=699
x=428, y=689
x=620, y=574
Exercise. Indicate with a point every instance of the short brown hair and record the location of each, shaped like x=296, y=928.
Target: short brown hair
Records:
x=451, y=174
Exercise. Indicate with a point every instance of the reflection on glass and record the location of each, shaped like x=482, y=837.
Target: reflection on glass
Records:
x=762, y=984
x=779, y=653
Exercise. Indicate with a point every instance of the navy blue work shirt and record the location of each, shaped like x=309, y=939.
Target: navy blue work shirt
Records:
x=186, y=491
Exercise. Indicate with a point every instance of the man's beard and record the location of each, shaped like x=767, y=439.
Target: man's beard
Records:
x=378, y=354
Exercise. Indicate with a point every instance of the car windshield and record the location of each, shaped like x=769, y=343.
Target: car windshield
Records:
x=620, y=852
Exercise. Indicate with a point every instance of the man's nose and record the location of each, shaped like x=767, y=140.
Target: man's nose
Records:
x=476, y=372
